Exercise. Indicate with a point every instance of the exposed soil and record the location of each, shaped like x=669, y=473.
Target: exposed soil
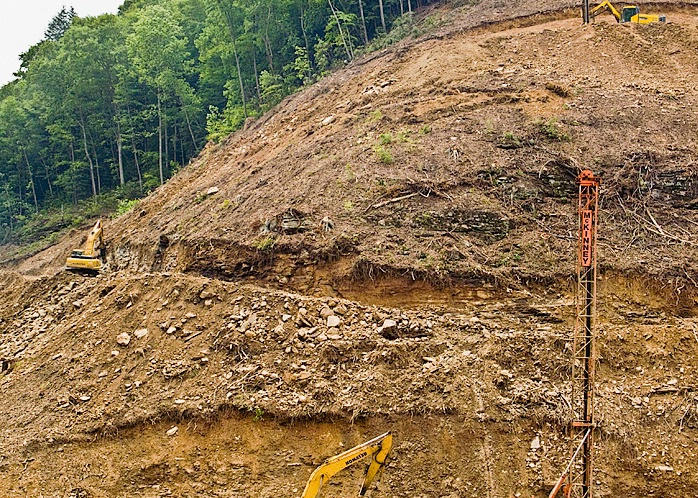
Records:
x=432, y=185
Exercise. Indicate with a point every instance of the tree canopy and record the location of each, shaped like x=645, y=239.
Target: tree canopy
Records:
x=109, y=107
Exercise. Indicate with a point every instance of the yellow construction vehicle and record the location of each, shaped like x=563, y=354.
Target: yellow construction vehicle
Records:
x=89, y=258
x=630, y=13
x=378, y=448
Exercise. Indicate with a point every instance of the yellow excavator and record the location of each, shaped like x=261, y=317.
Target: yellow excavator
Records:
x=378, y=448
x=89, y=258
x=630, y=13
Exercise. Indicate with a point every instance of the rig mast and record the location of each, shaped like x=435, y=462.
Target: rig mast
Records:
x=576, y=480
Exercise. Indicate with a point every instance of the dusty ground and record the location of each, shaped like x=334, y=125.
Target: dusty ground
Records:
x=431, y=184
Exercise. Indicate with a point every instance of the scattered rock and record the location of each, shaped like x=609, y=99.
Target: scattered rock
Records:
x=328, y=120
x=212, y=191
x=333, y=321
x=123, y=339
x=388, y=329
x=535, y=444
x=141, y=333
x=172, y=431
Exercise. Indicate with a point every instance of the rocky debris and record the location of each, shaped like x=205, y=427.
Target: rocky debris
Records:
x=140, y=333
x=123, y=339
x=212, y=191
x=389, y=329
x=173, y=431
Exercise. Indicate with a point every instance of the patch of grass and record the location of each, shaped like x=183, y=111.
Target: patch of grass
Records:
x=348, y=205
x=403, y=136
x=349, y=172
x=376, y=115
x=266, y=244
x=386, y=138
x=226, y=204
x=384, y=155
x=552, y=130
x=425, y=130
x=258, y=414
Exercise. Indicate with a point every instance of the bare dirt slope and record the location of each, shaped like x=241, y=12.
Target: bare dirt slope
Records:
x=431, y=185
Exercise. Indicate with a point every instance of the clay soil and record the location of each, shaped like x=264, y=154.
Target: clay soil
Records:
x=431, y=184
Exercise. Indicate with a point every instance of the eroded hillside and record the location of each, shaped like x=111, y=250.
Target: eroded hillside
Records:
x=392, y=248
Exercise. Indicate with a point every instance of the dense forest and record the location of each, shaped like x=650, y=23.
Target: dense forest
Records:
x=105, y=109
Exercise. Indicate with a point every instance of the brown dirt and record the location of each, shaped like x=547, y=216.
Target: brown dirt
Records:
x=487, y=124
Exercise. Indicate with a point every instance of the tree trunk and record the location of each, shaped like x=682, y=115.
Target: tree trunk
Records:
x=48, y=175
x=363, y=21
x=119, y=153
x=191, y=132
x=162, y=176
x=87, y=155
x=31, y=180
x=347, y=46
x=135, y=150
x=72, y=167
x=267, y=43
x=380, y=6
x=231, y=32
x=307, y=43
x=256, y=74
x=96, y=156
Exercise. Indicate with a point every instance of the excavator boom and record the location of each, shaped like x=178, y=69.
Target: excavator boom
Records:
x=378, y=448
x=602, y=7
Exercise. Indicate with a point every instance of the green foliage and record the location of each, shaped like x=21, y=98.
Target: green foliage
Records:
x=265, y=244
x=125, y=206
x=383, y=154
x=552, y=130
x=386, y=138
x=107, y=108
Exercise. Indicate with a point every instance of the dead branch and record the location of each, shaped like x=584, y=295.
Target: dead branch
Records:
x=395, y=199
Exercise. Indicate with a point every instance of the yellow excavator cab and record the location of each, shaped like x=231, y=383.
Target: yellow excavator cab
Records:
x=89, y=257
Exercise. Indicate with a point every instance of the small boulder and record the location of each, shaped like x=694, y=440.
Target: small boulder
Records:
x=388, y=329
x=141, y=333
x=333, y=321
x=123, y=339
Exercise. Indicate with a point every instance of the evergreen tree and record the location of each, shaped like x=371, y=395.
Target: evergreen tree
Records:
x=59, y=24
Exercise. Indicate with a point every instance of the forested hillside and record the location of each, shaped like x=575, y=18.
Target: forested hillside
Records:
x=105, y=109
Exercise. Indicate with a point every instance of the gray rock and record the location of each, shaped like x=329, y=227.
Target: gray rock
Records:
x=333, y=321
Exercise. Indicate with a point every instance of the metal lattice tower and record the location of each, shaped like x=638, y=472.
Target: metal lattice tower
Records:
x=585, y=11
x=582, y=401
x=579, y=473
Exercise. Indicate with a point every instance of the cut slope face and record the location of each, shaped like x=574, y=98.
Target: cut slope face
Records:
x=424, y=199
x=455, y=157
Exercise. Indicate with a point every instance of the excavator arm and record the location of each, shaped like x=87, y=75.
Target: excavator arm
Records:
x=378, y=448
x=602, y=7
